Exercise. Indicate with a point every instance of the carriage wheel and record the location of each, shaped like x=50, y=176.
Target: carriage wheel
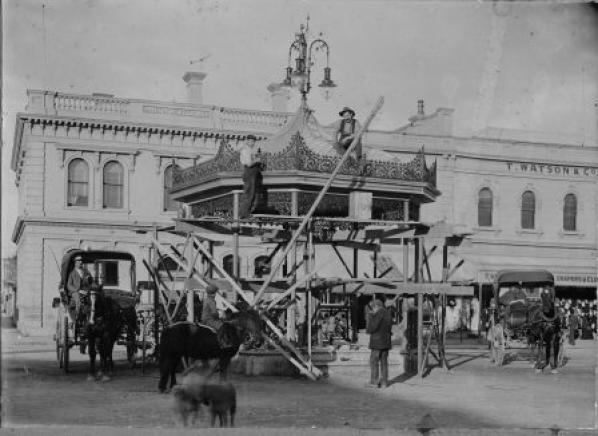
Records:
x=143, y=352
x=57, y=339
x=561, y=359
x=65, y=345
x=498, y=346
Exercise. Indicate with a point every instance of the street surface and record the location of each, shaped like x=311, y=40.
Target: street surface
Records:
x=475, y=395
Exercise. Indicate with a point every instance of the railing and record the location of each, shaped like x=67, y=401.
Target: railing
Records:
x=179, y=113
x=66, y=102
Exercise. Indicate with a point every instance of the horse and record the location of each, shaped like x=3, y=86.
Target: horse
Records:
x=103, y=321
x=184, y=340
x=544, y=333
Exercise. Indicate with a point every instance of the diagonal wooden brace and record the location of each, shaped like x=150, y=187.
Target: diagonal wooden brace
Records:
x=319, y=198
x=242, y=294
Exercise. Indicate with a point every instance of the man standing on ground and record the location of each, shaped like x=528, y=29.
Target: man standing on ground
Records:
x=378, y=325
x=252, y=176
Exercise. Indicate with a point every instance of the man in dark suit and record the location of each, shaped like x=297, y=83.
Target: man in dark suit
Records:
x=79, y=280
x=378, y=325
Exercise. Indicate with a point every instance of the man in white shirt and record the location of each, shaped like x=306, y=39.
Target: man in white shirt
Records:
x=252, y=176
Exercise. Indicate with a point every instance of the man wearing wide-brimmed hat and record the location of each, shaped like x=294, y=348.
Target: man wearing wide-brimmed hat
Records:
x=252, y=176
x=346, y=128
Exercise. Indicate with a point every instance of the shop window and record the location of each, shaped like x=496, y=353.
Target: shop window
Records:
x=261, y=266
x=113, y=185
x=528, y=210
x=169, y=203
x=485, y=207
x=570, y=213
x=78, y=183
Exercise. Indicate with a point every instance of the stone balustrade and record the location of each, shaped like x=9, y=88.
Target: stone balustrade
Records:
x=86, y=103
x=180, y=114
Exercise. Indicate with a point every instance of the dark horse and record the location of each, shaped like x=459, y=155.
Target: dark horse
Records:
x=189, y=340
x=544, y=331
x=103, y=322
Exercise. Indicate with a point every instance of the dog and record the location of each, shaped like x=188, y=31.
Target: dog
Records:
x=221, y=398
x=196, y=390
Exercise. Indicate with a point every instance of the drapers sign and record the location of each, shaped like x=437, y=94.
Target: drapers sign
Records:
x=560, y=279
x=588, y=280
x=557, y=170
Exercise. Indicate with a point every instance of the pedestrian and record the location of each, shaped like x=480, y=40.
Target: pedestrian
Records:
x=378, y=325
x=346, y=129
x=252, y=176
x=573, y=325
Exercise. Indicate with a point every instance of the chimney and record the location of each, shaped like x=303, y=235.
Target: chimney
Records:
x=279, y=96
x=420, y=108
x=194, y=80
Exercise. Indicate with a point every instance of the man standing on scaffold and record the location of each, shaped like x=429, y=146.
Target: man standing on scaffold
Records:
x=252, y=176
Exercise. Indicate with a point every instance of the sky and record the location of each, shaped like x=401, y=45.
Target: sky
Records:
x=532, y=66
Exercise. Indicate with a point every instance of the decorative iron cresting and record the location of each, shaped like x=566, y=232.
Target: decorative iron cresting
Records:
x=298, y=156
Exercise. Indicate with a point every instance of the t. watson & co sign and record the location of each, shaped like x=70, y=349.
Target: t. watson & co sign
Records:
x=558, y=170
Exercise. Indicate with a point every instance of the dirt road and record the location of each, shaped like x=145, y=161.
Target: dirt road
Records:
x=476, y=395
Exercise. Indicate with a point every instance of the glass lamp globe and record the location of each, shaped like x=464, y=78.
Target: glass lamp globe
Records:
x=327, y=92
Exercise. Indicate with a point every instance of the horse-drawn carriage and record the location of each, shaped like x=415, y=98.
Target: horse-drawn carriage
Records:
x=524, y=320
x=107, y=312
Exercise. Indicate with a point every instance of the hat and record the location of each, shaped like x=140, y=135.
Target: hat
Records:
x=346, y=109
x=377, y=303
x=251, y=137
x=211, y=289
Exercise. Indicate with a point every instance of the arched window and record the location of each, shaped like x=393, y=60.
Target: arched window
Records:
x=227, y=264
x=169, y=204
x=78, y=183
x=528, y=210
x=570, y=213
x=165, y=264
x=485, y=207
x=113, y=185
x=261, y=266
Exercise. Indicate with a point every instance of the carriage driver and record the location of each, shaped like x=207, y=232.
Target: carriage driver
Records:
x=210, y=316
x=79, y=281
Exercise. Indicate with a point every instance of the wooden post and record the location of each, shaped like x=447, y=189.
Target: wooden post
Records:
x=291, y=311
x=356, y=297
x=211, y=251
x=443, y=298
x=405, y=210
x=190, y=305
x=320, y=196
x=308, y=247
x=420, y=307
x=236, y=229
x=375, y=272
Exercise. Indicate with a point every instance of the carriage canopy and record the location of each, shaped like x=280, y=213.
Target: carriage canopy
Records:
x=513, y=277
x=116, y=269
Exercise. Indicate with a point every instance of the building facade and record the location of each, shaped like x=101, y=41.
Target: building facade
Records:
x=94, y=171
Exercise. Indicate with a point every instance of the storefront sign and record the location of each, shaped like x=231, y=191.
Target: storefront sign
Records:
x=560, y=279
x=552, y=170
x=576, y=280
